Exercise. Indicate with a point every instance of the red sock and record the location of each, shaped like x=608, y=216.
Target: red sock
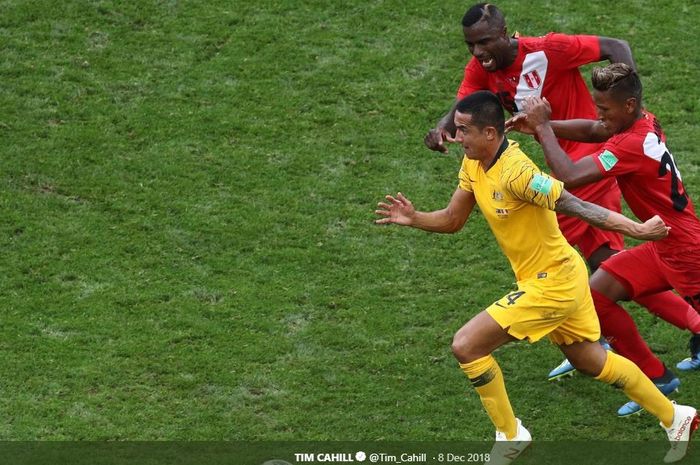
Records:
x=619, y=329
x=693, y=320
x=672, y=308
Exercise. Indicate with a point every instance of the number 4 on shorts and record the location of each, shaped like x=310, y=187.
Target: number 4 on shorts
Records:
x=513, y=296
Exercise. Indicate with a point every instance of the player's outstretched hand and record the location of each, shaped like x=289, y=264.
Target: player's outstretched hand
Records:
x=538, y=111
x=653, y=229
x=519, y=123
x=436, y=138
x=399, y=210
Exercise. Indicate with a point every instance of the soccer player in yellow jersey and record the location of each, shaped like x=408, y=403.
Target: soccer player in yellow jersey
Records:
x=553, y=298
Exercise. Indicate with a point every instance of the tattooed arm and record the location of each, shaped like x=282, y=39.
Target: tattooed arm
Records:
x=651, y=230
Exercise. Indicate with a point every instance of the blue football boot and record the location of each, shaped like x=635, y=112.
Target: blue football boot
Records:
x=667, y=384
x=562, y=370
x=692, y=362
x=565, y=368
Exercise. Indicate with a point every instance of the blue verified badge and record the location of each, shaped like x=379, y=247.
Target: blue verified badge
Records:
x=542, y=184
x=607, y=159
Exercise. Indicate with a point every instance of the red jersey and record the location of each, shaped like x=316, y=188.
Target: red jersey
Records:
x=547, y=67
x=650, y=181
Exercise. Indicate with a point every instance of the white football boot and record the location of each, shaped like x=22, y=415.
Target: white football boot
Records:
x=504, y=451
x=685, y=422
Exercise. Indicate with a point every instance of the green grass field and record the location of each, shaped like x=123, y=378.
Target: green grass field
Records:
x=188, y=250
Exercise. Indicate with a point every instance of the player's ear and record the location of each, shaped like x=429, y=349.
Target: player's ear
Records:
x=491, y=132
x=631, y=105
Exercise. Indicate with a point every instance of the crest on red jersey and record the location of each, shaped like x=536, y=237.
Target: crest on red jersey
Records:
x=533, y=79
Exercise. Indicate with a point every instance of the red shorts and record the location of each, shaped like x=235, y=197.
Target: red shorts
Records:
x=642, y=271
x=588, y=238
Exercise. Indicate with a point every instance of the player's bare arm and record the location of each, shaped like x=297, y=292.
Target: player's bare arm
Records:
x=584, y=171
x=651, y=230
x=616, y=51
x=580, y=130
x=400, y=210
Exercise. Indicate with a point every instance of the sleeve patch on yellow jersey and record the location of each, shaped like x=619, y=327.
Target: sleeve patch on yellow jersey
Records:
x=541, y=184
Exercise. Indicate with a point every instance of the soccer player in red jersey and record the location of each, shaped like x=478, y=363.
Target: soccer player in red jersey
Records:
x=515, y=68
x=636, y=154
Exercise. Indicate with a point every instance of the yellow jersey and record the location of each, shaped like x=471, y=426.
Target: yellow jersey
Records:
x=517, y=199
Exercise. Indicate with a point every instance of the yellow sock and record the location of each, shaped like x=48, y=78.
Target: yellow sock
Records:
x=486, y=377
x=624, y=374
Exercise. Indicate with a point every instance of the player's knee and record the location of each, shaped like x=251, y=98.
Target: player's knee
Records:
x=463, y=347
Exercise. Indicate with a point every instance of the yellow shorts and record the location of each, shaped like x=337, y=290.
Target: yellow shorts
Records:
x=558, y=305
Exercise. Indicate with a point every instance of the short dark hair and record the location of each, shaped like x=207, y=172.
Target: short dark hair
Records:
x=486, y=12
x=485, y=108
x=619, y=78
